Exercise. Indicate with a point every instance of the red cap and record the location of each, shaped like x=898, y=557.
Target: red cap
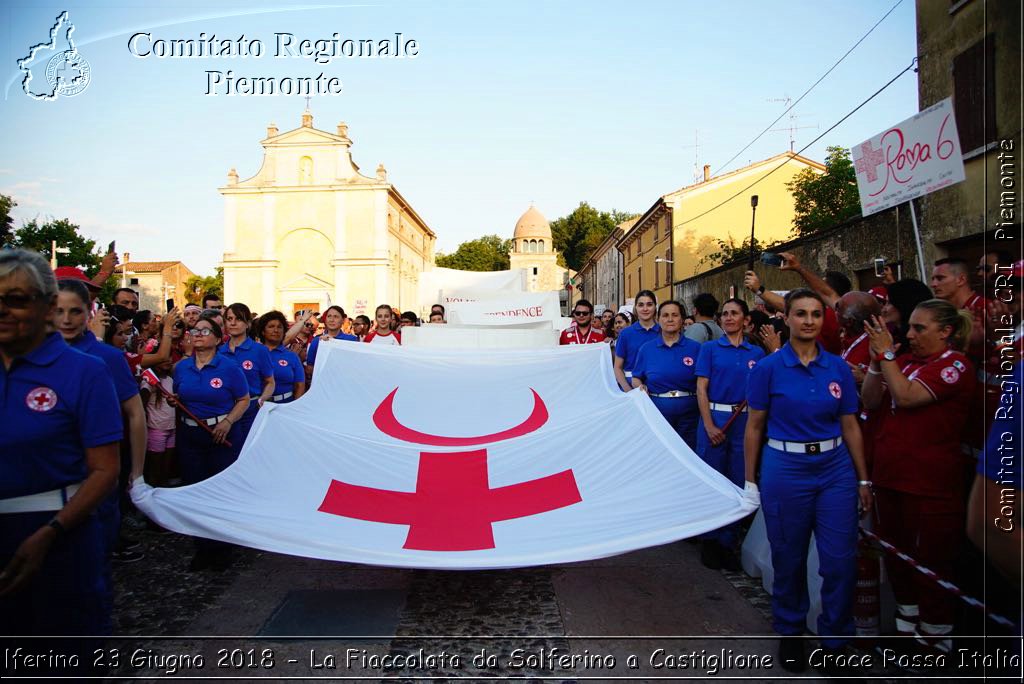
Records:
x=880, y=293
x=72, y=273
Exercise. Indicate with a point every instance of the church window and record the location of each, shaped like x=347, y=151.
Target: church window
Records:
x=306, y=171
x=534, y=270
x=540, y=245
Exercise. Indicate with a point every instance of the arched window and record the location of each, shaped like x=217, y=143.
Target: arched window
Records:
x=540, y=246
x=306, y=171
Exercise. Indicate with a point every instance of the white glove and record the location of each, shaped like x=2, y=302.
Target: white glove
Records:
x=751, y=494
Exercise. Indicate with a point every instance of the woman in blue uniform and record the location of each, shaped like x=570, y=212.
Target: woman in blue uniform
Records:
x=289, y=375
x=214, y=389
x=58, y=461
x=334, y=319
x=812, y=476
x=722, y=371
x=254, y=361
x=631, y=339
x=666, y=370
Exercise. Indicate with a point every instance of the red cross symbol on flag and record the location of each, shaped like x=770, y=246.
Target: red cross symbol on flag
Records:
x=869, y=161
x=454, y=505
x=41, y=399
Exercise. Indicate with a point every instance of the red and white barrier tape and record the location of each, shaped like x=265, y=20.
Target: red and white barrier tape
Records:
x=945, y=584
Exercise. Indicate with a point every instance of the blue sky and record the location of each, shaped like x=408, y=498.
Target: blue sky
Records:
x=506, y=103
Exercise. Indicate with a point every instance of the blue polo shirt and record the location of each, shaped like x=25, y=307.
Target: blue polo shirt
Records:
x=287, y=369
x=804, y=403
x=124, y=383
x=213, y=389
x=630, y=341
x=315, y=344
x=1001, y=460
x=254, y=361
x=55, y=402
x=663, y=368
x=727, y=368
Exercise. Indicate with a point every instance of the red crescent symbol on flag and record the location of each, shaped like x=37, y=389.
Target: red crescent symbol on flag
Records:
x=385, y=420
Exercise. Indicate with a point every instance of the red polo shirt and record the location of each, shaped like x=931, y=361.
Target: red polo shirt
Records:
x=571, y=335
x=917, y=450
x=829, y=335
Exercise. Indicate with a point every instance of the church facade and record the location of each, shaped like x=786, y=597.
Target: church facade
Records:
x=309, y=229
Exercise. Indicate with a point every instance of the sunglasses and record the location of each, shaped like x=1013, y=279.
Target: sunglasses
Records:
x=17, y=300
x=200, y=332
x=580, y=313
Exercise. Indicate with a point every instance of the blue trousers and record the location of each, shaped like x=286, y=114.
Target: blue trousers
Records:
x=244, y=424
x=201, y=459
x=682, y=414
x=800, y=494
x=726, y=458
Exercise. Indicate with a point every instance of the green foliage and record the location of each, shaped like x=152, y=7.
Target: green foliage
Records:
x=6, y=221
x=577, y=235
x=197, y=286
x=824, y=200
x=488, y=253
x=39, y=237
x=729, y=252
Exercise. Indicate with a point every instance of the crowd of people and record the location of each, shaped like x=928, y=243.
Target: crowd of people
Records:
x=825, y=406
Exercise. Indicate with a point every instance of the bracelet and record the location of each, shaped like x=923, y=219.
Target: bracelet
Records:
x=874, y=372
x=58, y=526
x=864, y=483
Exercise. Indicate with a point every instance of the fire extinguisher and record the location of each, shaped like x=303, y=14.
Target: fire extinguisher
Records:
x=867, y=599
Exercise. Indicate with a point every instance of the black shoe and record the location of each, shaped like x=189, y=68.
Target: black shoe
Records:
x=792, y=656
x=730, y=561
x=127, y=556
x=711, y=554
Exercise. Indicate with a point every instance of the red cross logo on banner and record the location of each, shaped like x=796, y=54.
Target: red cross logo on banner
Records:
x=247, y=364
x=687, y=360
x=869, y=161
x=216, y=383
x=835, y=390
x=454, y=505
x=282, y=362
x=41, y=399
x=950, y=375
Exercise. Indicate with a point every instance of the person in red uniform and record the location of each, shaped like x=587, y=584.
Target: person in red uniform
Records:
x=853, y=310
x=918, y=470
x=582, y=331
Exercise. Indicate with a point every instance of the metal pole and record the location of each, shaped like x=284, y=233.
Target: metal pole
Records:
x=753, y=217
x=917, y=238
x=53, y=255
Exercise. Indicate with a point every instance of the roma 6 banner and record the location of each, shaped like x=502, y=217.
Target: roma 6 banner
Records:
x=911, y=159
x=456, y=459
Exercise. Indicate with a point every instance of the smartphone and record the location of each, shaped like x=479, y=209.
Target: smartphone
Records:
x=170, y=304
x=879, y=267
x=111, y=246
x=771, y=258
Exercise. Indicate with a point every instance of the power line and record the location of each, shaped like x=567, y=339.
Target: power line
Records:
x=802, y=149
x=768, y=127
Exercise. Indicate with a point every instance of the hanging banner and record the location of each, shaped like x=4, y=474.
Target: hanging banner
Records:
x=909, y=160
x=501, y=309
x=455, y=459
x=452, y=281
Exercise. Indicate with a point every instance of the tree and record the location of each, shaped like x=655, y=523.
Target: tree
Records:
x=39, y=237
x=197, y=286
x=824, y=200
x=488, y=253
x=729, y=252
x=6, y=221
x=577, y=235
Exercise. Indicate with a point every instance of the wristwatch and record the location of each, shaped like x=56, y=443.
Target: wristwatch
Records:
x=887, y=355
x=760, y=290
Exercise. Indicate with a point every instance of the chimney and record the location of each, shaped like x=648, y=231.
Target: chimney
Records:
x=707, y=172
x=271, y=130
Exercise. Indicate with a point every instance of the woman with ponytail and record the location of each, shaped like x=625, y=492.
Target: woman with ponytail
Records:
x=919, y=472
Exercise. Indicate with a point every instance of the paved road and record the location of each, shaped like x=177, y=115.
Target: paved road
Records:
x=614, y=617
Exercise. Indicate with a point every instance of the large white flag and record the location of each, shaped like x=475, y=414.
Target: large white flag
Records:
x=456, y=459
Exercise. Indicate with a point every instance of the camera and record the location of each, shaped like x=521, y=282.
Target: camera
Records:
x=771, y=258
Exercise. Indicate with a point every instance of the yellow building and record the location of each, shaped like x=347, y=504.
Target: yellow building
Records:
x=696, y=233
x=647, y=253
x=155, y=281
x=534, y=250
x=309, y=229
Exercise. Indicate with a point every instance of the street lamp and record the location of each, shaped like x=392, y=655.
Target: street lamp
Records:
x=54, y=251
x=659, y=260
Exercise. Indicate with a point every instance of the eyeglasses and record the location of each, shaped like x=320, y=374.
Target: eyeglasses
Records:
x=17, y=300
x=200, y=332
x=580, y=313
